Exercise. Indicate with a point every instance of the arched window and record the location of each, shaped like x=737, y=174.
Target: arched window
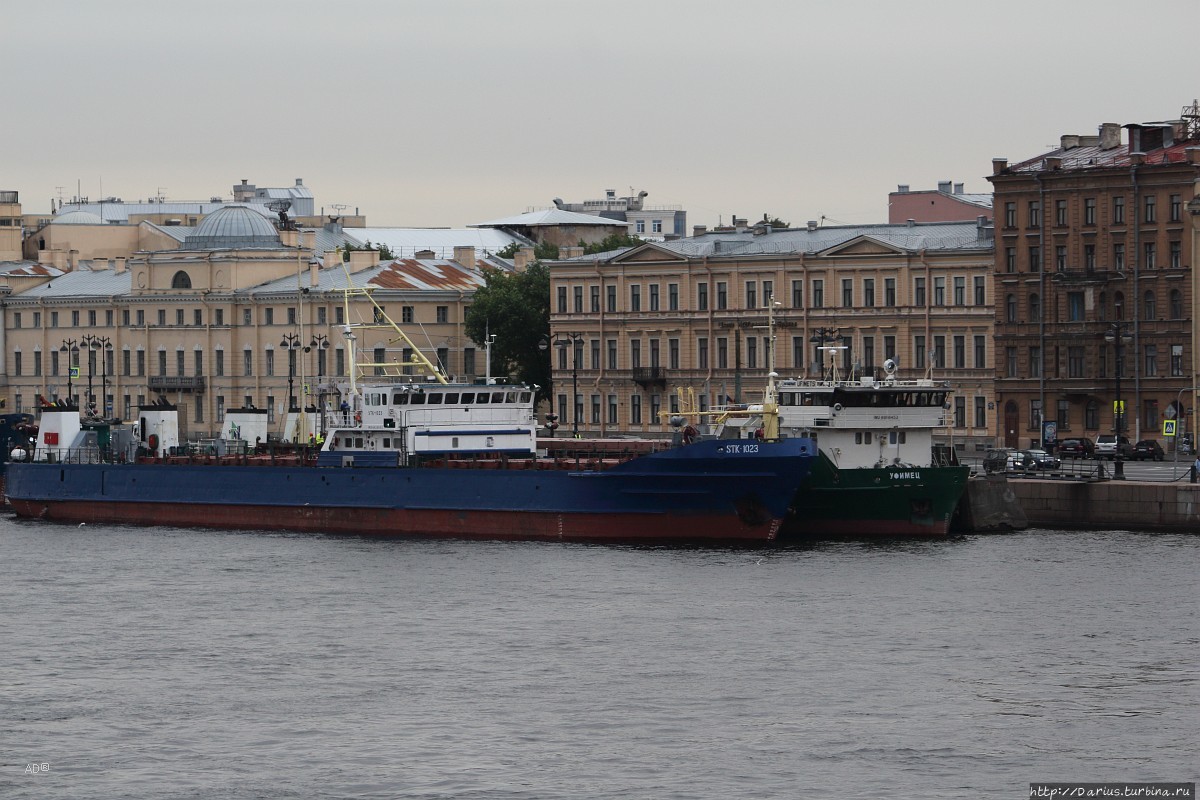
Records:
x=1035, y=307
x=181, y=281
x=1176, y=304
x=1011, y=306
x=1149, y=306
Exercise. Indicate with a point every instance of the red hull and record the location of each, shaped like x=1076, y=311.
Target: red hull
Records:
x=522, y=525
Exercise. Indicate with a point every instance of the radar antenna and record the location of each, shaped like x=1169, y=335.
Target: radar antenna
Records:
x=1191, y=118
x=281, y=207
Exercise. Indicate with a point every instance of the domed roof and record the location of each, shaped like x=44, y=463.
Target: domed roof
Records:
x=78, y=218
x=233, y=226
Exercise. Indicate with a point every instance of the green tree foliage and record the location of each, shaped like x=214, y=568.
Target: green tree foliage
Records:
x=509, y=251
x=515, y=308
x=545, y=251
x=385, y=252
x=613, y=242
x=775, y=222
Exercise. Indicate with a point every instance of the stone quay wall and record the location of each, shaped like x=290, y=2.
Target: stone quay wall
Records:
x=1109, y=505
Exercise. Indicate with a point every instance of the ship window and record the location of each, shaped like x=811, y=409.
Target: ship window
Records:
x=526, y=397
x=892, y=437
x=418, y=400
x=483, y=398
x=387, y=442
x=867, y=437
x=510, y=397
x=358, y=442
x=858, y=437
x=468, y=398
x=399, y=399
x=435, y=399
x=903, y=437
x=451, y=398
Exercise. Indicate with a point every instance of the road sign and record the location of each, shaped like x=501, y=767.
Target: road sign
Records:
x=74, y=372
x=1168, y=427
x=1170, y=412
x=1118, y=406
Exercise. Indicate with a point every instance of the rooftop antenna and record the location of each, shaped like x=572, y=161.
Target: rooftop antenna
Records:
x=1191, y=117
x=281, y=207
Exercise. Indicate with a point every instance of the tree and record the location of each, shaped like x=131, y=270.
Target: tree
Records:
x=509, y=250
x=515, y=308
x=775, y=222
x=614, y=242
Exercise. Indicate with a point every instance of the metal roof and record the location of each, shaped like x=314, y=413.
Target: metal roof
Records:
x=405, y=242
x=82, y=282
x=406, y=274
x=233, y=226
x=549, y=216
x=910, y=238
x=29, y=269
x=1086, y=157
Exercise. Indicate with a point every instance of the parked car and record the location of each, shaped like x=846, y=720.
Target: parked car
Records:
x=1148, y=448
x=1042, y=460
x=1002, y=460
x=1076, y=448
x=1109, y=445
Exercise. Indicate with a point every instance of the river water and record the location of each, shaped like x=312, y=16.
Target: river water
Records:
x=167, y=663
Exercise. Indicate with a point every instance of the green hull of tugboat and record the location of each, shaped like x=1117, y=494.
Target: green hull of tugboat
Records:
x=887, y=502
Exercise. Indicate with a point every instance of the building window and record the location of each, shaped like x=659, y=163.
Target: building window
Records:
x=291, y=315
x=578, y=295
x=1176, y=255
x=1150, y=214
x=407, y=314
x=1010, y=259
x=1089, y=211
x=320, y=316
x=1148, y=259
x=702, y=352
x=162, y=363
x=443, y=313
x=612, y=409
x=17, y=319
x=1035, y=259
x=702, y=296
x=797, y=294
x=1151, y=354
x=751, y=352
x=1176, y=360
x=939, y=352
x=889, y=347
x=919, y=352
x=1075, y=361
x=1119, y=257
x=722, y=352
x=960, y=412
x=798, y=352
x=17, y=363
x=722, y=295
x=980, y=412
x=469, y=360
x=1060, y=213
x=640, y=226
x=939, y=291
x=960, y=291
x=1150, y=420
x=612, y=353
x=594, y=292
x=919, y=292
x=141, y=363
x=1010, y=215
x=269, y=316
x=635, y=353
x=654, y=297
x=672, y=296
x=218, y=364
x=1010, y=308
x=1035, y=414
x=751, y=294
x=1075, y=306
x=673, y=353
x=847, y=292
x=1149, y=306
x=247, y=363
x=1118, y=209
x=869, y=292
x=635, y=297
x=1060, y=258
x=980, y=352
x=269, y=363
x=595, y=350
x=1091, y=415
x=635, y=409
x=595, y=409
x=889, y=292
x=1010, y=362
x=562, y=300
x=1176, y=208
x=656, y=226
x=960, y=352
x=1035, y=214
x=768, y=292
x=610, y=298
x=818, y=293
x=1064, y=415
x=1089, y=257
x=1035, y=307
x=868, y=359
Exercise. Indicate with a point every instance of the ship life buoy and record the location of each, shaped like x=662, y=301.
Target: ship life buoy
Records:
x=837, y=406
x=153, y=441
x=357, y=417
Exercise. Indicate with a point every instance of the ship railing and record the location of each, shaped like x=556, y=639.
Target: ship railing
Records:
x=74, y=455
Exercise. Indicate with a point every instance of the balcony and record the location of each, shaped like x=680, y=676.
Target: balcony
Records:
x=164, y=383
x=648, y=377
x=1085, y=277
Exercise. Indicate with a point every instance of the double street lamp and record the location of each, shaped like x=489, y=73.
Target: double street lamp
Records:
x=70, y=347
x=101, y=345
x=561, y=341
x=1118, y=336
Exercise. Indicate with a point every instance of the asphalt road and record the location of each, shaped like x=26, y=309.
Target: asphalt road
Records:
x=1166, y=470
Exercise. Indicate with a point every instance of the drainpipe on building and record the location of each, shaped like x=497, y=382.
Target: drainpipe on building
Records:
x=1137, y=304
x=600, y=372
x=1042, y=305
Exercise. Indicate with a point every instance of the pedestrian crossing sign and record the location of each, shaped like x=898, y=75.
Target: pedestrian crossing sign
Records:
x=1168, y=427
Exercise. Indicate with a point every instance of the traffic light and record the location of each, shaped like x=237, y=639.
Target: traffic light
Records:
x=551, y=422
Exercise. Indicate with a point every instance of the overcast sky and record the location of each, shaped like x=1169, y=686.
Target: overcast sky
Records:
x=446, y=113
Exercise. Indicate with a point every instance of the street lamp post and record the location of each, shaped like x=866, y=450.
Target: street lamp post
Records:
x=575, y=340
x=488, y=341
x=1116, y=335
x=69, y=346
x=101, y=345
x=291, y=343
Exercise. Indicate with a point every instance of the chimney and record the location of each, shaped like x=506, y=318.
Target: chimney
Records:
x=958, y=188
x=290, y=238
x=699, y=230
x=99, y=264
x=981, y=222
x=314, y=273
x=308, y=240
x=363, y=259
x=999, y=165
x=300, y=181
x=912, y=223
x=1193, y=155
x=1110, y=135
x=72, y=260
x=1053, y=162
x=465, y=256
x=332, y=257
x=1136, y=159
x=944, y=187
x=902, y=189
x=570, y=252
x=1068, y=141
x=426, y=254
x=523, y=258
x=812, y=224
